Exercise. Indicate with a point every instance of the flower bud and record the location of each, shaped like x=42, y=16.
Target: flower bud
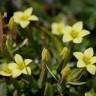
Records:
x=11, y=24
x=64, y=53
x=65, y=71
x=45, y=55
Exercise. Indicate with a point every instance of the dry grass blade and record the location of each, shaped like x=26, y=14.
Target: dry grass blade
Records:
x=1, y=31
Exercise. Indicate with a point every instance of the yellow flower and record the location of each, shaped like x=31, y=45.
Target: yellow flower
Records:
x=58, y=28
x=24, y=18
x=20, y=67
x=5, y=70
x=75, y=33
x=86, y=60
x=90, y=93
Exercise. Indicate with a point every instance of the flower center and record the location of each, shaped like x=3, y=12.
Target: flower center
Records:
x=20, y=66
x=74, y=34
x=6, y=70
x=24, y=17
x=87, y=59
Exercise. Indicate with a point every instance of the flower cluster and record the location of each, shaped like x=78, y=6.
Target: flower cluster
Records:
x=75, y=34
x=69, y=34
x=16, y=68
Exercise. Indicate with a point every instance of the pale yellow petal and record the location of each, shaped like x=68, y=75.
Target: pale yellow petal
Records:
x=67, y=38
x=89, y=52
x=5, y=74
x=24, y=24
x=18, y=59
x=77, y=40
x=93, y=60
x=67, y=30
x=78, y=55
x=78, y=26
x=57, y=28
x=28, y=11
x=33, y=18
x=80, y=64
x=17, y=16
x=27, y=61
x=12, y=66
x=84, y=33
x=5, y=70
x=16, y=73
x=91, y=69
x=54, y=27
x=67, y=33
x=27, y=70
x=61, y=27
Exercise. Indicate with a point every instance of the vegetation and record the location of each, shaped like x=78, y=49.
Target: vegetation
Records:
x=47, y=48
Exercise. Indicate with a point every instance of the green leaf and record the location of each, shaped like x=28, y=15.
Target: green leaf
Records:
x=48, y=90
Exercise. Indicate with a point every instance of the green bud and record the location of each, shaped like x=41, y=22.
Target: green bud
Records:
x=11, y=24
x=64, y=53
x=45, y=55
x=65, y=71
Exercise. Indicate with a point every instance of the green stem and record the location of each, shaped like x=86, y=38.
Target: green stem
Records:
x=58, y=84
x=76, y=83
x=51, y=73
x=21, y=45
x=42, y=75
x=71, y=47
